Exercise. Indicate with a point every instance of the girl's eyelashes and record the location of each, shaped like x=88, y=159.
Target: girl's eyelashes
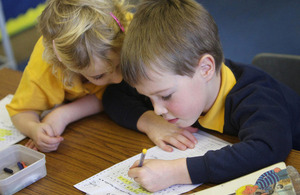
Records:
x=166, y=97
x=98, y=77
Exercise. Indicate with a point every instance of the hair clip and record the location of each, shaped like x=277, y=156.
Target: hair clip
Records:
x=116, y=19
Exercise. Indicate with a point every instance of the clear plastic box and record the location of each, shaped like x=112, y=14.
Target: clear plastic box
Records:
x=35, y=170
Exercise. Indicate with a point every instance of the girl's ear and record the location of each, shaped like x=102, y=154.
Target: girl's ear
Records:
x=206, y=67
x=55, y=51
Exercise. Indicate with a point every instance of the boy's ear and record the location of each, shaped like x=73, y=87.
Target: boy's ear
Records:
x=206, y=66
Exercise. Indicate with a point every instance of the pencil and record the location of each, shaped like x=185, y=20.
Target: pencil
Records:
x=142, y=157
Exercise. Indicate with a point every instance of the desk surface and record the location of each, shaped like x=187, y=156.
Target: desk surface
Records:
x=91, y=145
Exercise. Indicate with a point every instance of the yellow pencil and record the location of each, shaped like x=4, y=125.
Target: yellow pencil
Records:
x=142, y=157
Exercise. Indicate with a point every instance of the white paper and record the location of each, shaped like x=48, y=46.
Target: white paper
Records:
x=115, y=180
x=9, y=135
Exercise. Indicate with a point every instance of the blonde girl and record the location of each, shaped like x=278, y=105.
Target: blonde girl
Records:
x=74, y=60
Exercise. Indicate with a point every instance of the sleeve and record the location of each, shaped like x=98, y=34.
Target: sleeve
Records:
x=38, y=89
x=99, y=91
x=260, y=117
x=124, y=104
x=35, y=96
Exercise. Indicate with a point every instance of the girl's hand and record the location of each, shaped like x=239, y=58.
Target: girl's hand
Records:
x=65, y=114
x=30, y=144
x=57, y=120
x=44, y=138
x=156, y=174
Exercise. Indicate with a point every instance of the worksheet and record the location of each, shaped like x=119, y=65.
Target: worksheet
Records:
x=8, y=133
x=115, y=181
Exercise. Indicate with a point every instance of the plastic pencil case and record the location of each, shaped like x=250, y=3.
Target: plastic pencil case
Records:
x=21, y=178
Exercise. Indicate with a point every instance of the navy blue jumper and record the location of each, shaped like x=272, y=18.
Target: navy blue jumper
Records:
x=262, y=112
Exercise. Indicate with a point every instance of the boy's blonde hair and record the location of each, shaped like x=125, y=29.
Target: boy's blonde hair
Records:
x=168, y=35
x=81, y=30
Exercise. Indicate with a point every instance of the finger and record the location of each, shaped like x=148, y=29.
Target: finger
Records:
x=135, y=164
x=190, y=136
x=30, y=144
x=48, y=130
x=137, y=180
x=191, y=129
x=48, y=144
x=132, y=173
x=164, y=146
x=52, y=140
x=179, y=141
x=48, y=147
x=183, y=139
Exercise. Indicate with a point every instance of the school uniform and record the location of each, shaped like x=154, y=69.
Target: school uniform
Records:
x=262, y=112
x=41, y=88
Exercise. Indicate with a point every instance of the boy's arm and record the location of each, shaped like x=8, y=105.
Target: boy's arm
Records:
x=264, y=127
x=124, y=105
x=134, y=111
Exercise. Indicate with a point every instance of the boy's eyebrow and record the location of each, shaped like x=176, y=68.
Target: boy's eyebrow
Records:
x=159, y=91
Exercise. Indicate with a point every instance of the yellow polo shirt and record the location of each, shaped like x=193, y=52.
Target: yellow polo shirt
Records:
x=40, y=90
x=214, y=118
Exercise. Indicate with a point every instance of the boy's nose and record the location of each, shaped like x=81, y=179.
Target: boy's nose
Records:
x=159, y=109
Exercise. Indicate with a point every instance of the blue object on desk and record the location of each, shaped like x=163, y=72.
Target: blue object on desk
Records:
x=7, y=170
x=20, y=166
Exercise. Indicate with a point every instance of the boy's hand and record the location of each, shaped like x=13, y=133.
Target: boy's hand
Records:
x=163, y=134
x=156, y=174
x=173, y=135
x=44, y=138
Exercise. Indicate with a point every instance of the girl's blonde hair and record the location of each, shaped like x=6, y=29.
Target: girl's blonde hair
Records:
x=81, y=30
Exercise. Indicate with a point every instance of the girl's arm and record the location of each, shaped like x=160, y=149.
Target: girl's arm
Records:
x=65, y=114
x=46, y=134
x=41, y=134
x=78, y=109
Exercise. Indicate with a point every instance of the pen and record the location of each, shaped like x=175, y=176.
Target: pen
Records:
x=142, y=157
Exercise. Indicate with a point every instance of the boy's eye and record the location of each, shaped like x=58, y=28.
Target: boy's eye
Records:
x=166, y=97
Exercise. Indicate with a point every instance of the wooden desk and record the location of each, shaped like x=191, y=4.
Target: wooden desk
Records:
x=91, y=145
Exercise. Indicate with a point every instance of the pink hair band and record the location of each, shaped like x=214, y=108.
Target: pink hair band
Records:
x=116, y=19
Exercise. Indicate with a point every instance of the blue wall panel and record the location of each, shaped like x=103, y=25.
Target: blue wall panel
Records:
x=13, y=8
x=249, y=27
